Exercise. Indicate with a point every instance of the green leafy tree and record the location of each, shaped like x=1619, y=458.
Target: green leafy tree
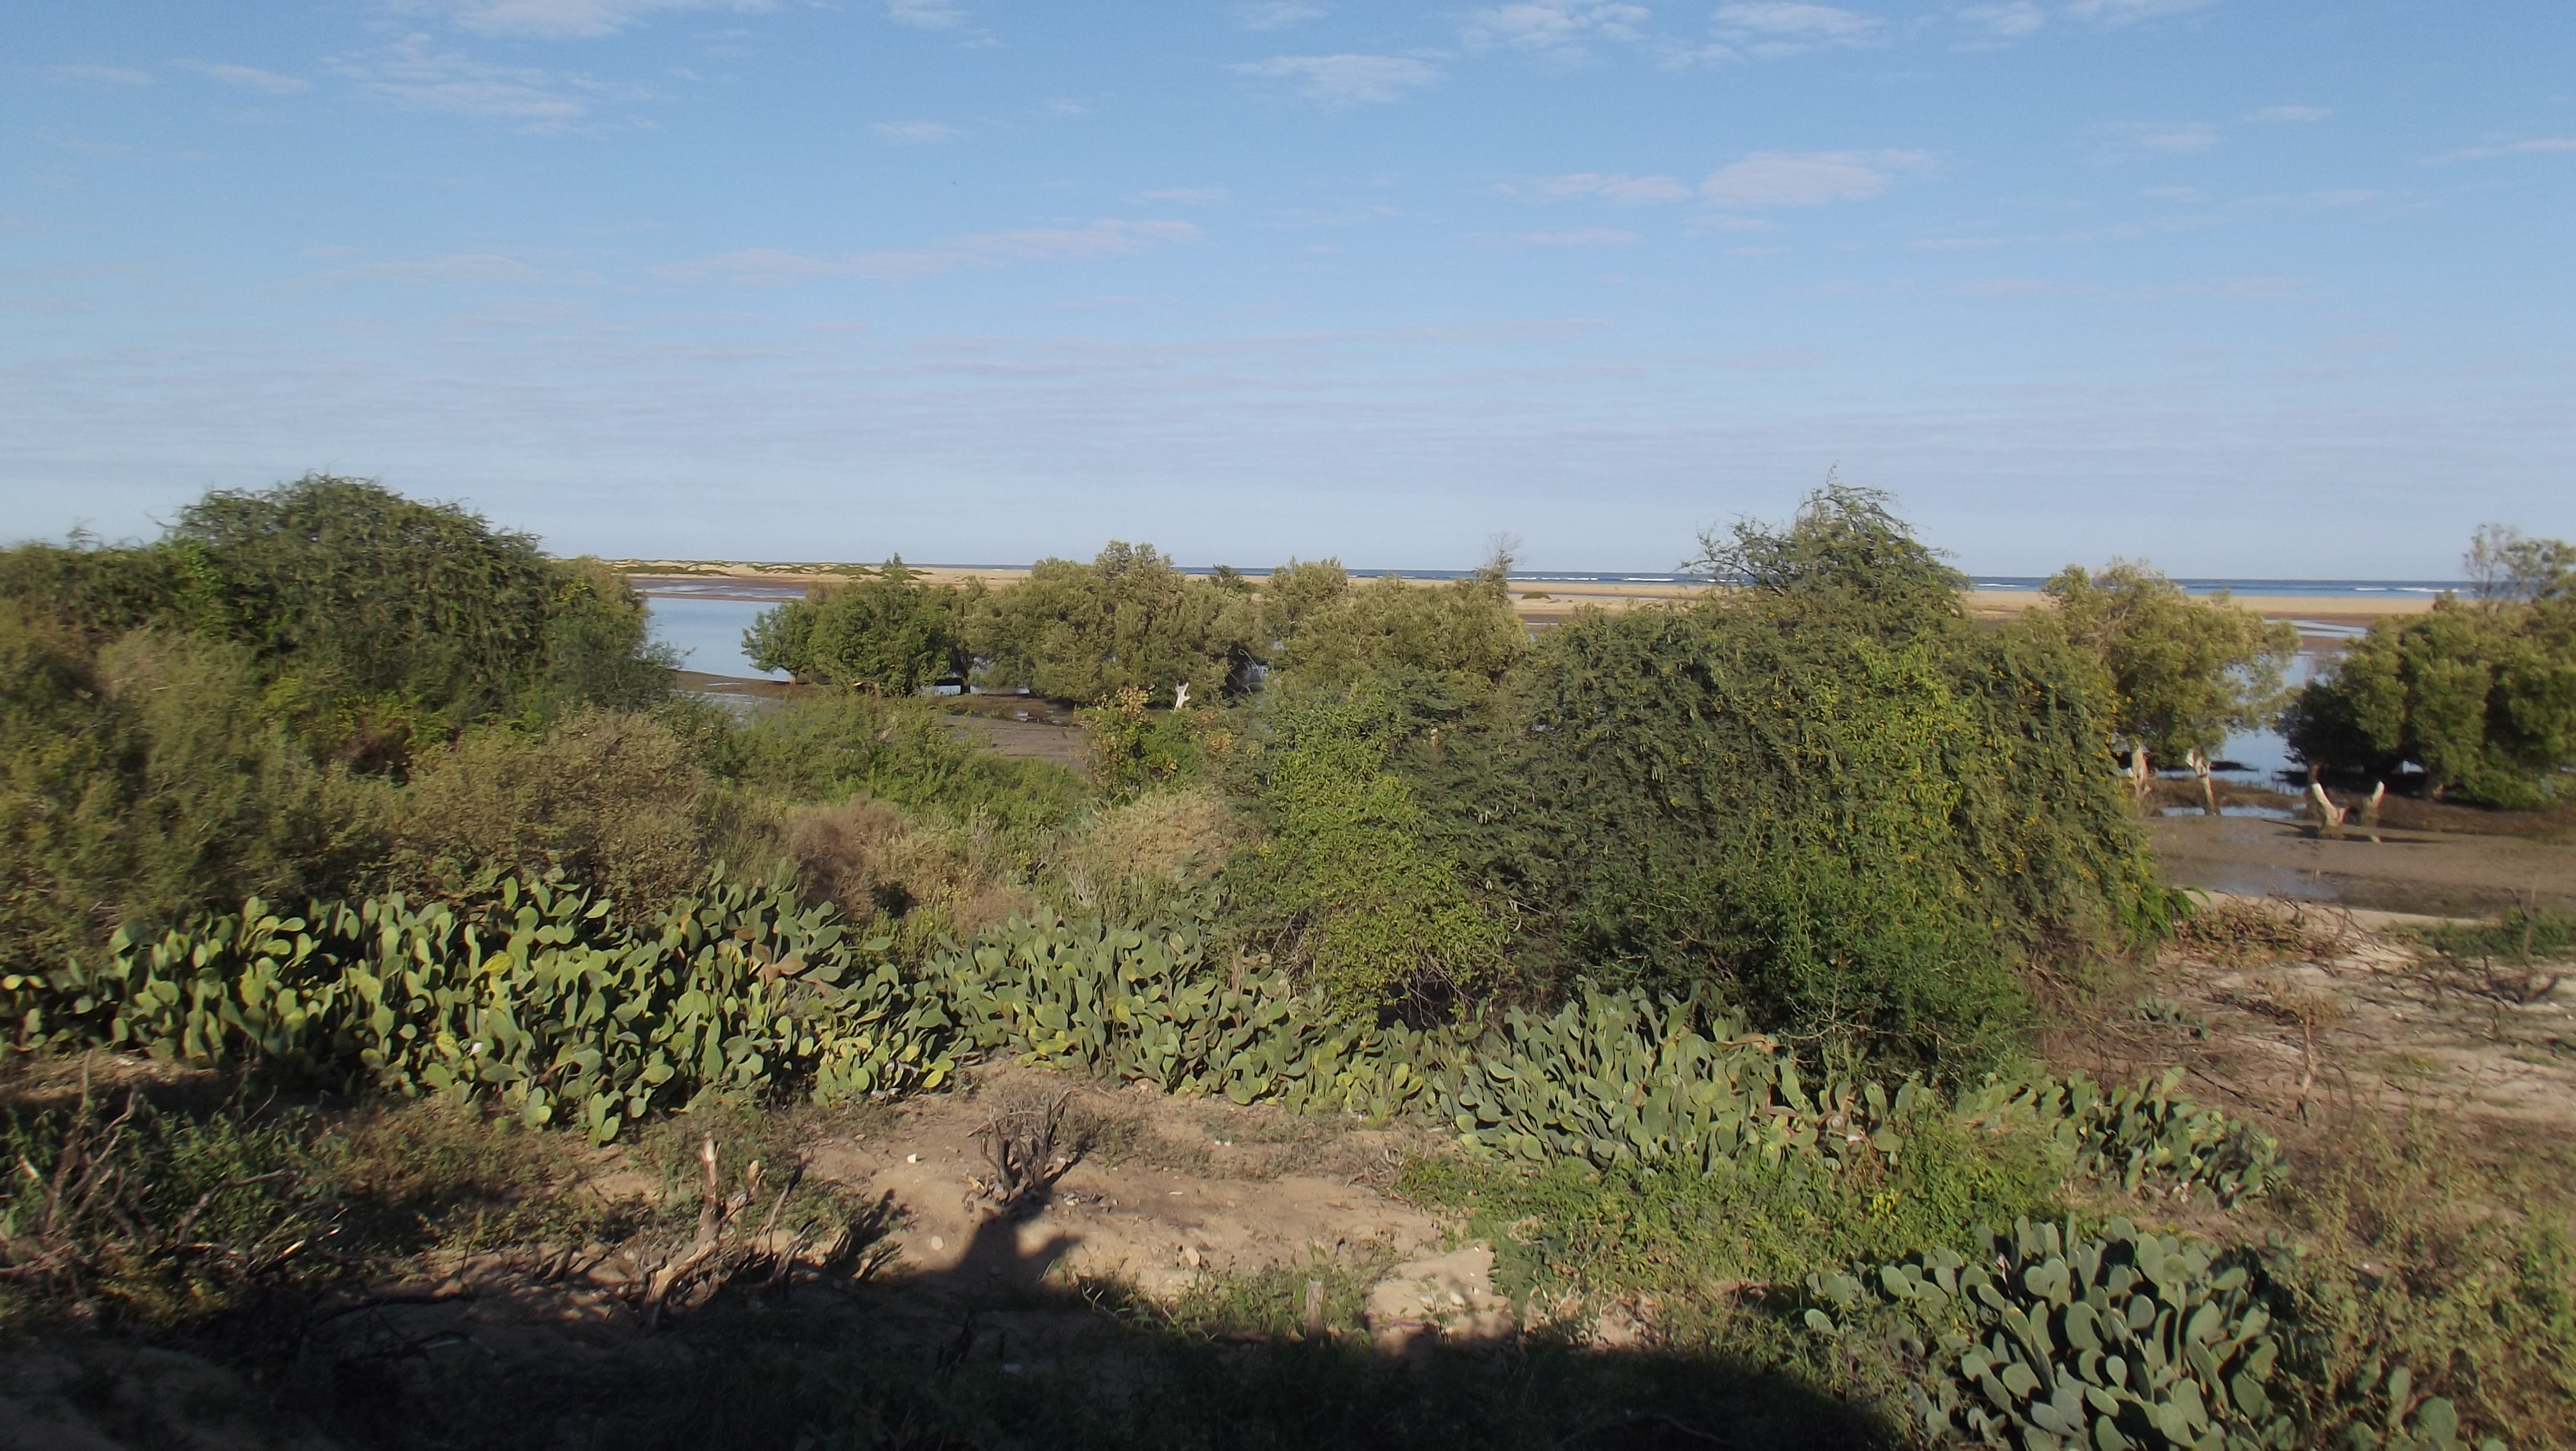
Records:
x=1462, y=635
x=2505, y=565
x=2481, y=697
x=889, y=632
x=1130, y=617
x=2184, y=672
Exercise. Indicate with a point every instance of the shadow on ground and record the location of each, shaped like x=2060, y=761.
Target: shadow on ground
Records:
x=992, y=1352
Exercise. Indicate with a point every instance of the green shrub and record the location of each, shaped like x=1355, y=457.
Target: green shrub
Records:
x=886, y=632
x=118, y=1206
x=1823, y=797
x=147, y=781
x=1463, y=635
x=1081, y=631
x=606, y=799
x=833, y=745
x=1349, y=886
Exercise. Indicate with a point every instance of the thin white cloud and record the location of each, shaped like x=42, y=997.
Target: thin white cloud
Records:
x=2534, y=147
x=1276, y=14
x=1791, y=179
x=1188, y=196
x=414, y=74
x=463, y=269
x=1564, y=28
x=2007, y=22
x=1110, y=237
x=2289, y=113
x=925, y=14
x=1721, y=222
x=100, y=75
x=1346, y=80
x=2165, y=138
x=559, y=19
x=249, y=78
x=1609, y=186
x=916, y=133
x=1575, y=237
x=1776, y=28
x=2126, y=12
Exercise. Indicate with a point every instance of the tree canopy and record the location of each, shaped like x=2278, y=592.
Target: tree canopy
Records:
x=889, y=631
x=2184, y=672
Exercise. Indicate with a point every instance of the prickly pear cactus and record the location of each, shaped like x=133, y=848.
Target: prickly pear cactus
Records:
x=2047, y=1339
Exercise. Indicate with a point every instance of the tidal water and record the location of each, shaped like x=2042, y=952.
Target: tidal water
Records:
x=704, y=620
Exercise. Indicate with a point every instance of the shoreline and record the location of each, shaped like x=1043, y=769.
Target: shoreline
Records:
x=1536, y=601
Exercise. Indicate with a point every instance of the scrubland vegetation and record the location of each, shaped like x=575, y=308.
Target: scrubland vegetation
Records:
x=367, y=888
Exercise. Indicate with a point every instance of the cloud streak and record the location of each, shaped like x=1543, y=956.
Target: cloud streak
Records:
x=2536, y=147
x=559, y=19
x=916, y=133
x=101, y=75
x=413, y=74
x=249, y=78
x=1609, y=186
x=1338, y=81
x=1106, y=238
x=1807, y=179
x=1562, y=28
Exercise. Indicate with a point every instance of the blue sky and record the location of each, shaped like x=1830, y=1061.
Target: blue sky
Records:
x=2252, y=289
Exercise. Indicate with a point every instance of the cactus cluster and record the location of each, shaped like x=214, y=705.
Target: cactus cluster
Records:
x=536, y=999
x=2050, y=1339
x=2144, y=1136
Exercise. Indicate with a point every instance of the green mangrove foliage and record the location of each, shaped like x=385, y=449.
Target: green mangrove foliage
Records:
x=887, y=632
x=543, y=1001
x=1455, y=639
x=1822, y=796
x=2482, y=697
x=2184, y=671
x=1130, y=617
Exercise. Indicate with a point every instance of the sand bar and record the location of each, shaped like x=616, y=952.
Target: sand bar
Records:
x=1538, y=601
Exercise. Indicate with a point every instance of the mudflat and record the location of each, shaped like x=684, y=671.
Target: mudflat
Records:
x=2436, y=872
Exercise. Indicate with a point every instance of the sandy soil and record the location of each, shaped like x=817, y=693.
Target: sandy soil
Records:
x=2350, y=1014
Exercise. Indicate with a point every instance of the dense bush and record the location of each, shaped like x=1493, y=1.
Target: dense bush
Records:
x=887, y=632
x=1349, y=884
x=2481, y=697
x=605, y=798
x=144, y=780
x=834, y=745
x=229, y=711
x=1458, y=637
x=1822, y=795
x=1130, y=617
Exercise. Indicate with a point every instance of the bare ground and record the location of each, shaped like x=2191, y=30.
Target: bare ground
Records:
x=2295, y=1014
